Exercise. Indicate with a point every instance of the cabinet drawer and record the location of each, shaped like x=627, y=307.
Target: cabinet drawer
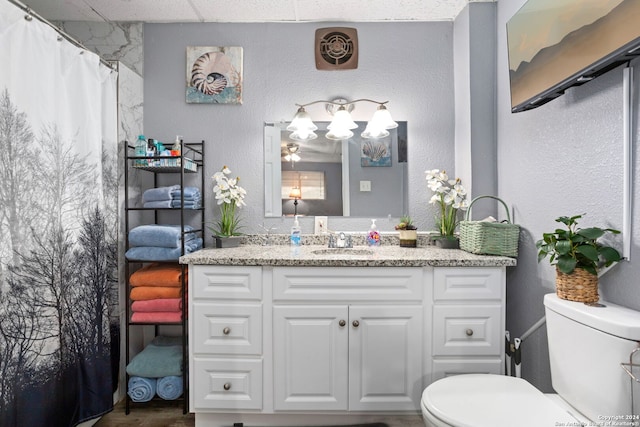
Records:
x=347, y=284
x=227, y=328
x=460, y=330
x=226, y=384
x=224, y=282
x=448, y=367
x=467, y=283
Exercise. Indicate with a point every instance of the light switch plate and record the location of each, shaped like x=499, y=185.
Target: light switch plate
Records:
x=321, y=224
x=365, y=185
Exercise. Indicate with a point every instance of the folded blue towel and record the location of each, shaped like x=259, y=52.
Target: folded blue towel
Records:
x=155, y=253
x=164, y=236
x=188, y=204
x=157, y=361
x=188, y=192
x=170, y=388
x=141, y=389
x=158, y=204
x=159, y=194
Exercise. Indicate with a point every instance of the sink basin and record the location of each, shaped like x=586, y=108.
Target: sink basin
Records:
x=343, y=251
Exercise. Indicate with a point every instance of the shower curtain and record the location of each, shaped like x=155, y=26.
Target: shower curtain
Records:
x=58, y=227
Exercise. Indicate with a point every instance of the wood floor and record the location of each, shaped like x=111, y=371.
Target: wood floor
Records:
x=169, y=414
x=151, y=414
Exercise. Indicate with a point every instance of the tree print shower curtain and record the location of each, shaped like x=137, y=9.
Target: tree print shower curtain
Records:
x=58, y=228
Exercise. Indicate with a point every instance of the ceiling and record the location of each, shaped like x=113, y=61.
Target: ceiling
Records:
x=247, y=10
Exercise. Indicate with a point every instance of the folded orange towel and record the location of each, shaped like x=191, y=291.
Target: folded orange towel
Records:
x=157, y=317
x=155, y=305
x=158, y=275
x=140, y=293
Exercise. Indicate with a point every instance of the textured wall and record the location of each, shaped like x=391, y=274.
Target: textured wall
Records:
x=409, y=64
x=563, y=158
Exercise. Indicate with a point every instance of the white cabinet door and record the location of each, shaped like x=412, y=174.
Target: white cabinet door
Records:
x=373, y=362
x=310, y=353
x=385, y=357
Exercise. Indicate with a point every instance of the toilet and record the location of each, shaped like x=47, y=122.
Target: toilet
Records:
x=587, y=345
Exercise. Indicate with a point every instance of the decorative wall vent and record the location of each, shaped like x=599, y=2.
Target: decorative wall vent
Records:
x=336, y=48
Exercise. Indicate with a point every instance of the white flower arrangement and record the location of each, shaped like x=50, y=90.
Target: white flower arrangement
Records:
x=450, y=195
x=229, y=195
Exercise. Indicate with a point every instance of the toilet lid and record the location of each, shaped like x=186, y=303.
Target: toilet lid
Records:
x=485, y=400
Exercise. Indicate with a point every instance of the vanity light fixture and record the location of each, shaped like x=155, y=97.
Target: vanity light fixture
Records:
x=302, y=127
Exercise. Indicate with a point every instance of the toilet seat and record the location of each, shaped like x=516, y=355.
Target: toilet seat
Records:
x=486, y=400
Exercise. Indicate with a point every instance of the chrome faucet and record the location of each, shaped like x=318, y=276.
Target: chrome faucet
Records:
x=340, y=240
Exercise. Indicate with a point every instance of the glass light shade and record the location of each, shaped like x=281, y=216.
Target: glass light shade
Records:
x=302, y=121
x=339, y=134
x=303, y=135
x=342, y=120
x=295, y=193
x=382, y=118
x=373, y=131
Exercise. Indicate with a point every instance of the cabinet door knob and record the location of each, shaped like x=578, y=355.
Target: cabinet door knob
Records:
x=226, y=330
x=355, y=323
x=227, y=386
x=469, y=332
x=342, y=322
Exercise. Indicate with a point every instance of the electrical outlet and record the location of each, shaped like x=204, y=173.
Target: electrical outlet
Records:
x=365, y=185
x=321, y=224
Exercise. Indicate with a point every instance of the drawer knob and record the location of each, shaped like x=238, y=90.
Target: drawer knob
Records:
x=226, y=330
x=355, y=323
x=469, y=332
x=227, y=386
x=342, y=322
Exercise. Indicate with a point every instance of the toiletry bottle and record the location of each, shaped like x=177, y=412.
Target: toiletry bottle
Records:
x=296, y=234
x=177, y=147
x=373, y=236
x=141, y=150
x=151, y=151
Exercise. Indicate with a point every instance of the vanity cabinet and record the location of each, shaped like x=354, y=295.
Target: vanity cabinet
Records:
x=289, y=340
x=468, y=321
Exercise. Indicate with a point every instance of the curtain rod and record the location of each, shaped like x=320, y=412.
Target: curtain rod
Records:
x=31, y=13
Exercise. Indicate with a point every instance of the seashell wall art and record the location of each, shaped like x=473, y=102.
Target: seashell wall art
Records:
x=214, y=75
x=375, y=152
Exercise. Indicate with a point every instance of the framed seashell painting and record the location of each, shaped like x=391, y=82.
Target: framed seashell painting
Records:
x=214, y=75
x=375, y=152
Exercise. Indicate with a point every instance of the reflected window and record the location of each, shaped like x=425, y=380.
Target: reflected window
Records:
x=311, y=185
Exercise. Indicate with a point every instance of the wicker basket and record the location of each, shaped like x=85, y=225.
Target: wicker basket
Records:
x=489, y=238
x=580, y=286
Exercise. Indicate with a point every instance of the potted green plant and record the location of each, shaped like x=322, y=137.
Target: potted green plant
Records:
x=577, y=255
x=450, y=197
x=408, y=232
x=230, y=197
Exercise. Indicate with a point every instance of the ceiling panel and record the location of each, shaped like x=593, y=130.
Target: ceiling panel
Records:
x=247, y=10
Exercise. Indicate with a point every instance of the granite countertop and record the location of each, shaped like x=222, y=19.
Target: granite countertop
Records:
x=358, y=256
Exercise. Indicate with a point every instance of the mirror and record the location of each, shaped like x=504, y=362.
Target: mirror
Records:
x=357, y=177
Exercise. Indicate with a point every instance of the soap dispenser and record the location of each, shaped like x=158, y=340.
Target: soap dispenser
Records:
x=296, y=234
x=373, y=236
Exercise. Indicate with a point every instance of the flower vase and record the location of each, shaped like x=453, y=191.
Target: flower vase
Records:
x=408, y=238
x=227, y=241
x=447, y=242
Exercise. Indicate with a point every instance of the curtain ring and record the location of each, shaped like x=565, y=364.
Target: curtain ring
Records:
x=28, y=16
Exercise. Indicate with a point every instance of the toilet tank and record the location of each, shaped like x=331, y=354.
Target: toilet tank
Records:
x=587, y=344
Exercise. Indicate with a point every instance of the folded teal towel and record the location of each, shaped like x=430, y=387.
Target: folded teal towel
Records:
x=159, y=194
x=141, y=389
x=161, y=235
x=157, y=362
x=169, y=388
x=166, y=340
x=154, y=253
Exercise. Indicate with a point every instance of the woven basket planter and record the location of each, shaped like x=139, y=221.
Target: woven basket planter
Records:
x=580, y=286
